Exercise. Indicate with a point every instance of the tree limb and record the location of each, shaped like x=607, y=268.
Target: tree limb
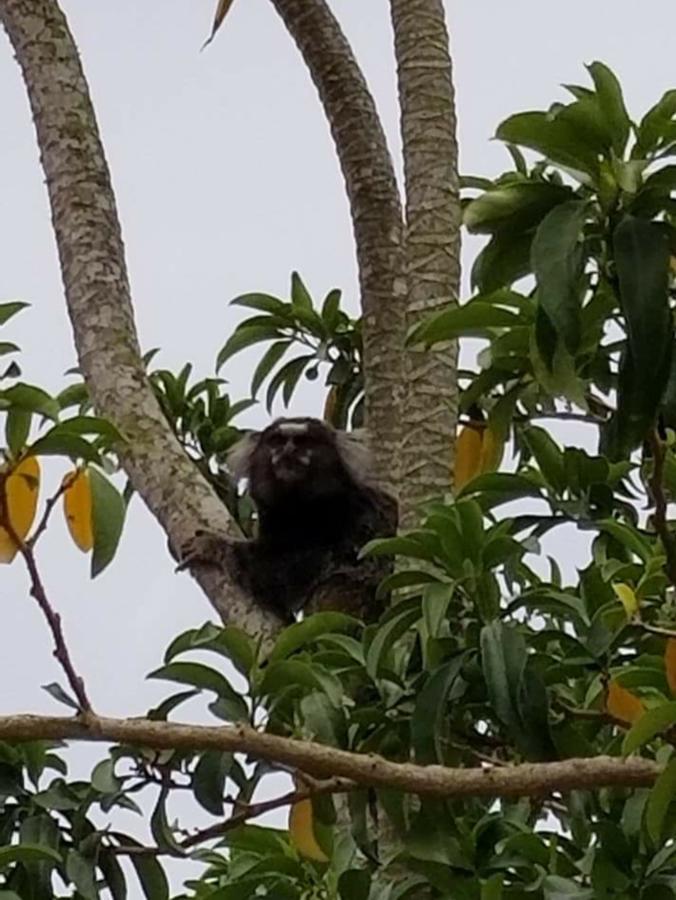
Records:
x=376, y=214
x=527, y=779
x=433, y=218
x=98, y=296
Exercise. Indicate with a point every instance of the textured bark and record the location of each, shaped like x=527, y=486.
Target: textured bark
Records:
x=433, y=216
x=320, y=760
x=376, y=216
x=97, y=290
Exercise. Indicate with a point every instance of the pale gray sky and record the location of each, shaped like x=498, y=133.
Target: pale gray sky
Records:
x=226, y=180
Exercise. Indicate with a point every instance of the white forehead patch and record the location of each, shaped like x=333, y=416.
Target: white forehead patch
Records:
x=292, y=427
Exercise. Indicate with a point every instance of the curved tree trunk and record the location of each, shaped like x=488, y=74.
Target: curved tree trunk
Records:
x=433, y=217
x=94, y=273
x=376, y=216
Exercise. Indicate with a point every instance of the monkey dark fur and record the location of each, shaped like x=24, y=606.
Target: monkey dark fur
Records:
x=316, y=510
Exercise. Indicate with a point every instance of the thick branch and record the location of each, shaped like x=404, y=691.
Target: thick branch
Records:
x=433, y=218
x=94, y=273
x=376, y=215
x=321, y=761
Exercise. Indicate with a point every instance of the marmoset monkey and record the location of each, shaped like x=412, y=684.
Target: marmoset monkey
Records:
x=316, y=509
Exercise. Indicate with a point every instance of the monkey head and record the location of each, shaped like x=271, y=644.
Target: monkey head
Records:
x=298, y=458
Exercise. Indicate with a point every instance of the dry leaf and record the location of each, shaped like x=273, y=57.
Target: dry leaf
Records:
x=468, y=454
x=77, y=508
x=301, y=832
x=622, y=704
x=22, y=487
x=628, y=598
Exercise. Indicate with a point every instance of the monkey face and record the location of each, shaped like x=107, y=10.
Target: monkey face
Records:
x=295, y=457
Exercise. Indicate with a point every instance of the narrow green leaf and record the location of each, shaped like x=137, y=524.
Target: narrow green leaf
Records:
x=655, y=123
x=17, y=428
x=557, y=260
x=653, y=722
x=204, y=677
x=208, y=780
x=287, y=378
x=517, y=206
x=88, y=425
x=268, y=361
x=265, y=303
x=611, y=105
x=474, y=319
x=428, y=734
x=300, y=296
x=68, y=445
x=80, y=870
x=27, y=853
x=303, y=633
x=388, y=633
x=160, y=828
x=108, y=512
x=245, y=337
x=554, y=137
x=7, y=310
x=548, y=456
x=662, y=794
x=32, y=399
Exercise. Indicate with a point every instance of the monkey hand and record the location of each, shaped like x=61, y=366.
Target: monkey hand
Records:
x=205, y=548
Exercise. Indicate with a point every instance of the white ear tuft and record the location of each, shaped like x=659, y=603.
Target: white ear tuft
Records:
x=355, y=455
x=239, y=456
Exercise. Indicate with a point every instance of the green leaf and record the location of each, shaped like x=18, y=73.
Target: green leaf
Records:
x=108, y=512
x=355, y=884
x=208, y=780
x=160, y=828
x=57, y=692
x=653, y=722
x=268, y=361
x=548, y=456
x=287, y=378
x=88, y=425
x=69, y=445
x=641, y=252
x=474, y=319
x=203, y=677
x=32, y=399
x=113, y=874
x=504, y=259
x=662, y=794
x=331, y=308
x=151, y=876
x=557, y=260
x=611, y=105
x=403, y=618
x=244, y=337
x=103, y=778
x=17, y=428
x=7, y=310
x=654, y=124
x=300, y=296
x=303, y=633
x=517, y=206
x=280, y=675
x=265, y=303
x=554, y=136
x=80, y=870
x=428, y=734
x=27, y=853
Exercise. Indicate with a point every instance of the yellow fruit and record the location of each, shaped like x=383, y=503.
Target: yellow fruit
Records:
x=468, y=454
x=622, y=704
x=670, y=664
x=21, y=488
x=492, y=451
x=77, y=507
x=301, y=832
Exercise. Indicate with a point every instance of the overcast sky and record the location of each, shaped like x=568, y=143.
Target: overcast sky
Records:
x=226, y=180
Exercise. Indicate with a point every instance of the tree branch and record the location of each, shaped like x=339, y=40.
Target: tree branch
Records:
x=660, y=518
x=98, y=296
x=376, y=214
x=433, y=218
x=527, y=779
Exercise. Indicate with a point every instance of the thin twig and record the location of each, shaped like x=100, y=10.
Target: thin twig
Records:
x=38, y=592
x=49, y=506
x=655, y=629
x=248, y=811
x=660, y=517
